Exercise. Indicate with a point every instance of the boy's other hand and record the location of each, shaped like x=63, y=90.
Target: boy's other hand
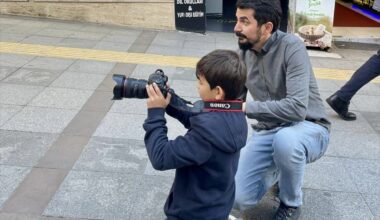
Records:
x=243, y=107
x=155, y=97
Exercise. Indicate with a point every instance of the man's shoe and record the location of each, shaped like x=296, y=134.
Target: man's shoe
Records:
x=285, y=212
x=341, y=107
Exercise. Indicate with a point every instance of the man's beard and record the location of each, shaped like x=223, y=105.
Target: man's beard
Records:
x=248, y=44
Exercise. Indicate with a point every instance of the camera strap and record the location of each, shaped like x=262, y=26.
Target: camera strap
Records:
x=223, y=106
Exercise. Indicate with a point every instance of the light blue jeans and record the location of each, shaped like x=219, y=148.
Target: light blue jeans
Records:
x=279, y=155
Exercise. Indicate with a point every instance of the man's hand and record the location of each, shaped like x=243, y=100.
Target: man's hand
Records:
x=156, y=99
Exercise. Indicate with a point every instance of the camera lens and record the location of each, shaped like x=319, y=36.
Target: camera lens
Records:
x=119, y=87
x=135, y=88
x=129, y=88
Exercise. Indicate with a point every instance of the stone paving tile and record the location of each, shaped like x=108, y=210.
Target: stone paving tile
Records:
x=373, y=201
x=10, y=178
x=200, y=38
x=65, y=26
x=192, y=52
x=35, y=39
x=6, y=71
x=355, y=54
x=12, y=37
x=61, y=98
x=32, y=76
x=116, y=125
x=120, y=38
x=328, y=173
x=77, y=43
x=163, y=50
x=330, y=205
x=14, y=60
x=130, y=106
x=37, y=119
x=4, y=27
x=143, y=72
x=87, y=35
x=7, y=112
x=95, y=195
x=54, y=31
x=97, y=28
x=84, y=123
x=365, y=174
x=185, y=88
x=172, y=35
x=131, y=32
x=113, y=155
x=150, y=197
x=22, y=29
x=19, y=216
x=367, y=103
x=112, y=46
x=352, y=145
x=99, y=101
x=327, y=86
x=23, y=148
x=91, y=67
x=18, y=94
x=360, y=125
x=373, y=119
x=168, y=43
x=201, y=45
x=77, y=80
x=50, y=63
x=343, y=63
x=187, y=74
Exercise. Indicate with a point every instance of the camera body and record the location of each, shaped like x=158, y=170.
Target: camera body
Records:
x=135, y=88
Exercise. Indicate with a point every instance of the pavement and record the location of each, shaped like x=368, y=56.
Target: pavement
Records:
x=67, y=151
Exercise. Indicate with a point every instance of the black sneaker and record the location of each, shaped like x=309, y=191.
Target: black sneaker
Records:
x=285, y=212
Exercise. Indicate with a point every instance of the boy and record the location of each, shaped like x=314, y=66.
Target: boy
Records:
x=206, y=157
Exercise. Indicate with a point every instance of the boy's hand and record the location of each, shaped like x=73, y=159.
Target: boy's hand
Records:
x=155, y=97
x=243, y=107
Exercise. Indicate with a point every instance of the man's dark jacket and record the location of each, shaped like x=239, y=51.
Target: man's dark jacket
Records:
x=205, y=159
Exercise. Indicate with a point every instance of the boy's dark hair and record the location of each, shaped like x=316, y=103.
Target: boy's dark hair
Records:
x=223, y=68
x=264, y=11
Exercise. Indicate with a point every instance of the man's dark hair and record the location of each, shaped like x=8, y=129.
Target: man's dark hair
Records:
x=264, y=11
x=223, y=68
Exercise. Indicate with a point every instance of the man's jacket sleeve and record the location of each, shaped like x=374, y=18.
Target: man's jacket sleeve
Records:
x=164, y=154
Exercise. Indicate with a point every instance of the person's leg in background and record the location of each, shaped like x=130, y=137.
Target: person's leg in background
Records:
x=340, y=100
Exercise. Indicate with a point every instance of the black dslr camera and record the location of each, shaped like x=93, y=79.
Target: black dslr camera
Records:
x=135, y=88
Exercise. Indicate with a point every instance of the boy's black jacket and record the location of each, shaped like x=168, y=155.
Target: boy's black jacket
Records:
x=205, y=159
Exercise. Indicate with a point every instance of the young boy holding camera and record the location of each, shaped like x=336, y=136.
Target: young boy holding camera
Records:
x=206, y=157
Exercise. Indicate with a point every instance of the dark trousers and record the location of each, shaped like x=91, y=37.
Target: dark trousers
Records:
x=285, y=15
x=367, y=72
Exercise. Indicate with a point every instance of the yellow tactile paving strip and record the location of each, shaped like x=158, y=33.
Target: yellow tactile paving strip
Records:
x=136, y=58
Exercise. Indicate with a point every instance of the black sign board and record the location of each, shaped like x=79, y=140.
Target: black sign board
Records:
x=190, y=15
